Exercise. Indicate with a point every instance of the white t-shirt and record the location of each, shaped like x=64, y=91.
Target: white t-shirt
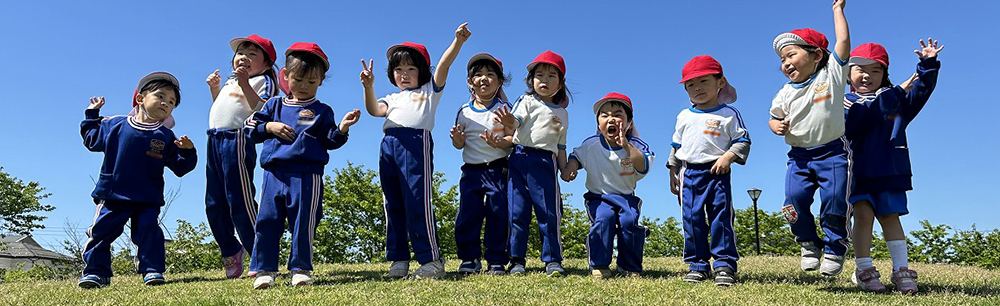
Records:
x=814, y=108
x=608, y=170
x=412, y=108
x=543, y=125
x=231, y=109
x=703, y=136
x=473, y=122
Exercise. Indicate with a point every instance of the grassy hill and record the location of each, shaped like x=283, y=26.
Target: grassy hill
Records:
x=763, y=281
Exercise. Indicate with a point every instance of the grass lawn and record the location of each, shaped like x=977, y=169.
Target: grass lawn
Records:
x=763, y=281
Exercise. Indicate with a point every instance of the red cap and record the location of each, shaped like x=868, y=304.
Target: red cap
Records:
x=261, y=42
x=485, y=56
x=703, y=65
x=311, y=48
x=869, y=53
x=412, y=45
x=800, y=37
x=614, y=96
x=551, y=58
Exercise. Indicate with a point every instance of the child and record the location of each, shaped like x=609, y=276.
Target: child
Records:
x=484, y=176
x=615, y=160
x=808, y=112
x=136, y=148
x=539, y=122
x=406, y=163
x=709, y=137
x=876, y=126
x=297, y=131
x=229, y=195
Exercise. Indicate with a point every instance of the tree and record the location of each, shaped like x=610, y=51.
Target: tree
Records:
x=18, y=203
x=776, y=237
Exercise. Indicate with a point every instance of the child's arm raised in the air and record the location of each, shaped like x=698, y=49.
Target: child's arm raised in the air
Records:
x=185, y=159
x=925, y=81
x=842, y=49
x=90, y=128
x=368, y=81
x=572, y=168
x=457, y=137
x=441, y=72
x=243, y=79
x=213, y=81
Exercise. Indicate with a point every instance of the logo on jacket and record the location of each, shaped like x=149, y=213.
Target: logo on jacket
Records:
x=156, y=147
x=307, y=114
x=821, y=87
x=421, y=97
x=556, y=123
x=790, y=214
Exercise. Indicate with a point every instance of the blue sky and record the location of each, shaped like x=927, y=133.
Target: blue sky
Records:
x=58, y=54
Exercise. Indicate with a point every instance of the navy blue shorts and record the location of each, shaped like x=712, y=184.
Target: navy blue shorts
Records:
x=885, y=202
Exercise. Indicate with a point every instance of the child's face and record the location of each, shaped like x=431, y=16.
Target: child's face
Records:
x=545, y=80
x=303, y=87
x=158, y=104
x=406, y=75
x=611, y=117
x=867, y=78
x=251, y=57
x=484, y=83
x=798, y=64
x=704, y=89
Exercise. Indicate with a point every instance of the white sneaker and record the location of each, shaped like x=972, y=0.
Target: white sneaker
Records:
x=832, y=265
x=399, y=269
x=301, y=278
x=811, y=255
x=430, y=270
x=264, y=280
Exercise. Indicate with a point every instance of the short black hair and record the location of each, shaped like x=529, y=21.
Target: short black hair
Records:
x=562, y=95
x=405, y=55
x=158, y=84
x=268, y=61
x=628, y=111
x=491, y=66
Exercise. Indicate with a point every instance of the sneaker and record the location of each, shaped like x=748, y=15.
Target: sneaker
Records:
x=234, y=264
x=602, y=272
x=430, y=270
x=91, y=281
x=832, y=265
x=470, y=266
x=811, y=255
x=399, y=269
x=264, y=280
x=153, y=279
x=516, y=268
x=696, y=276
x=868, y=280
x=252, y=274
x=725, y=276
x=301, y=278
x=905, y=280
x=496, y=270
x=554, y=269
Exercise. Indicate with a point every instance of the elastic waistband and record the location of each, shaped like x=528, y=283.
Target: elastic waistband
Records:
x=705, y=166
x=823, y=151
x=405, y=131
x=497, y=163
x=222, y=132
x=530, y=150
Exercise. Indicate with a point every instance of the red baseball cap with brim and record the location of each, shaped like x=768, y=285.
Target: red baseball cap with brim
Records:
x=311, y=48
x=155, y=76
x=551, y=58
x=703, y=65
x=869, y=53
x=800, y=37
x=614, y=96
x=264, y=43
x=412, y=45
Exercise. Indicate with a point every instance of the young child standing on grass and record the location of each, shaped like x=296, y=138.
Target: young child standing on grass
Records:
x=136, y=149
x=878, y=114
x=709, y=137
x=615, y=160
x=229, y=192
x=297, y=131
x=484, y=175
x=406, y=163
x=808, y=112
x=538, y=123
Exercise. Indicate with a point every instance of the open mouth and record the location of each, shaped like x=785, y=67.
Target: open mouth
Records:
x=612, y=130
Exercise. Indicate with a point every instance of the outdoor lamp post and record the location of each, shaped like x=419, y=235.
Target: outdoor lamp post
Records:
x=754, y=195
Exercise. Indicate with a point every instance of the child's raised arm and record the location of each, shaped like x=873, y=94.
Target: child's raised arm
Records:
x=441, y=72
x=368, y=81
x=90, y=129
x=843, y=46
x=213, y=81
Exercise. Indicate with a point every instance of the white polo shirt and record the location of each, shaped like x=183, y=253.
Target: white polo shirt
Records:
x=609, y=171
x=703, y=136
x=814, y=108
x=543, y=125
x=473, y=122
x=231, y=109
x=412, y=108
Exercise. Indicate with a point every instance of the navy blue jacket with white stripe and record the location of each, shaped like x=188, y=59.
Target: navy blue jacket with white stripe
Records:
x=876, y=127
x=134, y=157
x=316, y=131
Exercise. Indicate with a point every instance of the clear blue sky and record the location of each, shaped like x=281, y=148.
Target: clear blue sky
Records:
x=58, y=54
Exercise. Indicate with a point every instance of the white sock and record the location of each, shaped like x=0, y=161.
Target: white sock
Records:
x=897, y=251
x=864, y=263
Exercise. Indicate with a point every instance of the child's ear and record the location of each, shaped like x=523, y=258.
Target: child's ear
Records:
x=723, y=81
x=138, y=97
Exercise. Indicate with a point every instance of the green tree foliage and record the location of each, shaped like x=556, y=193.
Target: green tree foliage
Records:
x=665, y=238
x=932, y=243
x=18, y=203
x=776, y=237
x=192, y=249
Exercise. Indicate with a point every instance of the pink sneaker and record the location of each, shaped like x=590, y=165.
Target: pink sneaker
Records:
x=252, y=274
x=905, y=280
x=234, y=264
x=868, y=280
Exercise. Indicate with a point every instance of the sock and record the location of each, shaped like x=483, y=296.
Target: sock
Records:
x=864, y=263
x=897, y=251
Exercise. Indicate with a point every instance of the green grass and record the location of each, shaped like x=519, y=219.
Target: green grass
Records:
x=763, y=281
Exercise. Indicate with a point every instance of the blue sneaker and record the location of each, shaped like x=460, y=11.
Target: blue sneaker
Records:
x=153, y=279
x=91, y=281
x=470, y=266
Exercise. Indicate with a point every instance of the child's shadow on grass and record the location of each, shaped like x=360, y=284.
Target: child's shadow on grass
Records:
x=194, y=279
x=800, y=278
x=980, y=290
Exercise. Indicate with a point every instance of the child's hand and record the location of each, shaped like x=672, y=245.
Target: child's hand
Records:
x=782, y=128
x=675, y=183
x=280, y=130
x=184, y=143
x=367, y=76
x=458, y=136
x=839, y=4
x=569, y=176
x=908, y=84
x=505, y=118
x=620, y=139
x=96, y=103
x=214, y=79
x=721, y=165
x=462, y=33
x=928, y=49
x=350, y=119
x=495, y=140
x=242, y=74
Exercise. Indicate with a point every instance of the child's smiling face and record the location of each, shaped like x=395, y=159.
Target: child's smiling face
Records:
x=406, y=75
x=866, y=78
x=158, y=104
x=704, y=90
x=545, y=80
x=484, y=83
x=250, y=56
x=797, y=64
x=610, y=118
